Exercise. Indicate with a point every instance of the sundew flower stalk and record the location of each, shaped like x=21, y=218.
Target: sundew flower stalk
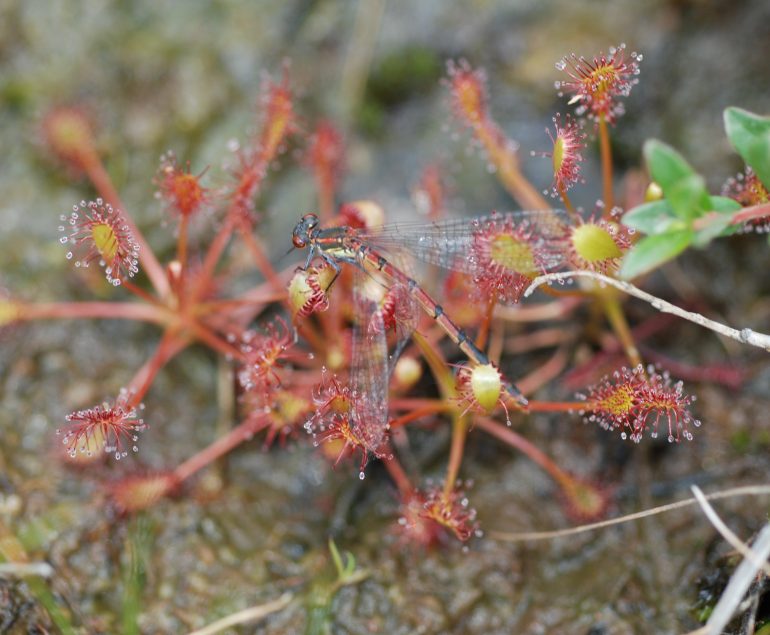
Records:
x=597, y=87
x=468, y=88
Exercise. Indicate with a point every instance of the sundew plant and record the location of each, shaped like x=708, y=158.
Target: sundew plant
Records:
x=352, y=348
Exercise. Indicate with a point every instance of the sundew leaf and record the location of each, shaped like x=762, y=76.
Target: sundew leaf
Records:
x=652, y=251
x=750, y=136
x=684, y=188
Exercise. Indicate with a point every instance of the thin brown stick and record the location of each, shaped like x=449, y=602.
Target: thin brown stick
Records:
x=735, y=542
x=522, y=536
x=251, y=614
x=746, y=335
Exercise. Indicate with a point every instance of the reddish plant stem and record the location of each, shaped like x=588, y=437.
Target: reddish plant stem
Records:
x=407, y=403
x=750, y=213
x=725, y=374
x=253, y=300
x=606, y=154
x=617, y=319
x=211, y=339
x=581, y=375
x=544, y=338
x=556, y=406
x=503, y=156
x=567, y=202
x=85, y=310
x=495, y=344
x=260, y=259
x=456, y=451
x=554, y=310
x=213, y=254
x=170, y=344
x=243, y=432
x=397, y=473
x=216, y=306
x=181, y=243
x=481, y=338
x=181, y=255
x=739, y=217
x=325, y=199
x=446, y=383
x=103, y=184
x=418, y=413
x=515, y=440
x=543, y=374
x=140, y=293
x=437, y=365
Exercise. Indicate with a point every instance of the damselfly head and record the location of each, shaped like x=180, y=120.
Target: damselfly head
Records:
x=302, y=230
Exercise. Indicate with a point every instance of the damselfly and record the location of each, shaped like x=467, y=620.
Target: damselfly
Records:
x=525, y=243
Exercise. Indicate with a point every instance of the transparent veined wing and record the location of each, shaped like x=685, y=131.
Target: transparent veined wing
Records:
x=525, y=240
x=369, y=370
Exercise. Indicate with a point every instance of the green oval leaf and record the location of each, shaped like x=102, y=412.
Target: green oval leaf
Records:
x=682, y=186
x=750, y=136
x=652, y=218
x=724, y=204
x=652, y=251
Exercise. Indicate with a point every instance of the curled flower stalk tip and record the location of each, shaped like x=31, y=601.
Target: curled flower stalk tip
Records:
x=179, y=188
x=468, y=88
